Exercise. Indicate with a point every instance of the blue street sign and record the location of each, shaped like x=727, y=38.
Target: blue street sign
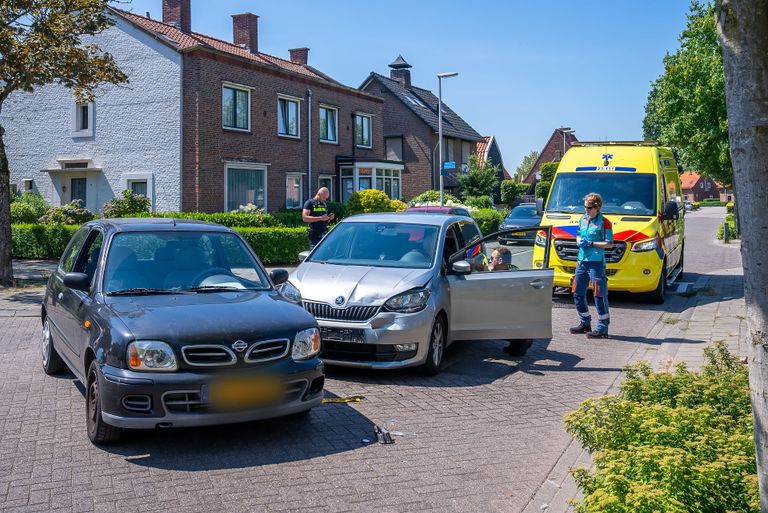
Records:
x=444, y=172
x=449, y=165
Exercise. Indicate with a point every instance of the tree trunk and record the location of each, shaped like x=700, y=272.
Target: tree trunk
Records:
x=6, y=268
x=743, y=31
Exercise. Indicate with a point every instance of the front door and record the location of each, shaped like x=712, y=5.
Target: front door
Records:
x=78, y=190
x=504, y=297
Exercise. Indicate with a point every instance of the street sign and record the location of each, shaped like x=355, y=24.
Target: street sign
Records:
x=465, y=168
x=445, y=172
x=449, y=165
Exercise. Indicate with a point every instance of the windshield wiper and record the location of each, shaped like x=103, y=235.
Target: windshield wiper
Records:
x=140, y=291
x=216, y=288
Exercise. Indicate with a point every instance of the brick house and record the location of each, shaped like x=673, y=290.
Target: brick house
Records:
x=725, y=191
x=235, y=127
x=488, y=151
x=697, y=187
x=557, y=144
x=411, y=130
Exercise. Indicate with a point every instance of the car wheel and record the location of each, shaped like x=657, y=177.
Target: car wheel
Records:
x=657, y=296
x=99, y=432
x=519, y=347
x=436, y=349
x=52, y=362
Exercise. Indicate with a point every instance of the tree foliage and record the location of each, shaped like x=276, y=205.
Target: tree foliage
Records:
x=41, y=42
x=686, y=104
x=525, y=166
x=481, y=179
x=548, y=170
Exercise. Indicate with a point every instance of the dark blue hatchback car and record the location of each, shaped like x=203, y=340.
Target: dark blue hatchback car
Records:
x=176, y=323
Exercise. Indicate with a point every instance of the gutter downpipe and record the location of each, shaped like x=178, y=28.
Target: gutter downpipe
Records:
x=309, y=142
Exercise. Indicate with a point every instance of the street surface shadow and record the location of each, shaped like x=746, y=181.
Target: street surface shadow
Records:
x=26, y=298
x=330, y=428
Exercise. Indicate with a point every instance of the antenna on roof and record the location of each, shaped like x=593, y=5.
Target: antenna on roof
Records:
x=149, y=15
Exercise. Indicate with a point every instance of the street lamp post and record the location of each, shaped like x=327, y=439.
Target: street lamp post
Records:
x=440, y=77
x=565, y=130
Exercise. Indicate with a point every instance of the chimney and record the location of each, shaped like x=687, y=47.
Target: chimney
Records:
x=299, y=55
x=401, y=71
x=245, y=31
x=178, y=13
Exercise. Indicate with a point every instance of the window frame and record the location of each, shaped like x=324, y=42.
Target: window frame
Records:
x=369, y=117
x=236, y=87
x=336, y=124
x=294, y=176
x=76, y=111
x=297, y=101
x=332, y=178
x=248, y=166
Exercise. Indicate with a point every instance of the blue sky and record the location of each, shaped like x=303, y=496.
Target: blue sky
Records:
x=524, y=67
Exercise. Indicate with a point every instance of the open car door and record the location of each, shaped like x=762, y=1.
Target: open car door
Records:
x=498, y=291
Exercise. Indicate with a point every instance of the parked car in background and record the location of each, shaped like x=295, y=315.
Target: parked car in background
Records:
x=176, y=323
x=394, y=290
x=456, y=211
x=688, y=206
x=523, y=215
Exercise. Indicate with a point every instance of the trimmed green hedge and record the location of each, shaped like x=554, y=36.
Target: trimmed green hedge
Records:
x=488, y=220
x=709, y=202
x=272, y=245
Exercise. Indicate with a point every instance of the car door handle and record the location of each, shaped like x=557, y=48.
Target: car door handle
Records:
x=537, y=284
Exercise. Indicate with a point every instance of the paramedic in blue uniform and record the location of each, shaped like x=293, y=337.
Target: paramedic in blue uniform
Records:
x=595, y=234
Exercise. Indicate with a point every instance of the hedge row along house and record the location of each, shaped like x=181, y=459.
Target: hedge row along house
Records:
x=210, y=125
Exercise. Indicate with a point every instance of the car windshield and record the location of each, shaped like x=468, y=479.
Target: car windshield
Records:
x=157, y=262
x=405, y=245
x=523, y=211
x=622, y=193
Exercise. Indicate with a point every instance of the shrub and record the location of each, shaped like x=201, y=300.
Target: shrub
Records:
x=38, y=204
x=732, y=233
x=481, y=178
x=338, y=209
x=487, y=219
x=479, y=202
x=39, y=241
x=548, y=170
x=432, y=197
x=249, y=208
x=696, y=205
x=71, y=213
x=729, y=207
x=509, y=191
x=542, y=189
x=129, y=204
x=367, y=201
x=276, y=245
x=288, y=218
x=23, y=213
x=397, y=206
x=712, y=202
x=670, y=441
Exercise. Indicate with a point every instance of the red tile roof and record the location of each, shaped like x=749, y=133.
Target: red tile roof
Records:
x=184, y=41
x=482, y=147
x=689, y=179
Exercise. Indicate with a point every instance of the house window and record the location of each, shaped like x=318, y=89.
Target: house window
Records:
x=394, y=147
x=466, y=151
x=388, y=180
x=449, y=151
x=288, y=117
x=82, y=123
x=327, y=182
x=244, y=185
x=363, y=130
x=138, y=187
x=328, y=122
x=236, y=111
x=294, y=191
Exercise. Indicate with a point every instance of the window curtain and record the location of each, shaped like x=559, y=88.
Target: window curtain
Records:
x=245, y=186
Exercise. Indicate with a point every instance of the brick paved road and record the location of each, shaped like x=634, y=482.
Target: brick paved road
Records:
x=488, y=432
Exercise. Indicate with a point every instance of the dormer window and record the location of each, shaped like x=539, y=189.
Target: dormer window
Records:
x=82, y=122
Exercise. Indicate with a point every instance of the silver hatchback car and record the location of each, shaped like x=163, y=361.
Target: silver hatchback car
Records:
x=394, y=290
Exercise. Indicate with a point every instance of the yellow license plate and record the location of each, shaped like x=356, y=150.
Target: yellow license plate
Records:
x=518, y=234
x=244, y=392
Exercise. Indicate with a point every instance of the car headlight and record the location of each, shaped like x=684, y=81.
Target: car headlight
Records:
x=409, y=302
x=306, y=344
x=290, y=292
x=648, y=245
x=151, y=355
x=541, y=238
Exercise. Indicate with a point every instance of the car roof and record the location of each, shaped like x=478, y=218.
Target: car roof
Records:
x=435, y=219
x=138, y=224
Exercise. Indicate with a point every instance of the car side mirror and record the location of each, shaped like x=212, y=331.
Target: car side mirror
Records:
x=278, y=276
x=539, y=206
x=670, y=211
x=461, y=267
x=303, y=256
x=77, y=281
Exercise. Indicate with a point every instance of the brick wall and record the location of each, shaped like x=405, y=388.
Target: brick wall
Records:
x=207, y=146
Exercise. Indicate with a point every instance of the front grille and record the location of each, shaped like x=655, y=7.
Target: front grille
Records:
x=356, y=352
x=191, y=401
x=352, y=313
x=208, y=355
x=567, y=249
x=608, y=272
x=267, y=351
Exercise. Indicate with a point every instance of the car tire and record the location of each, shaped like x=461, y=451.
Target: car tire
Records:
x=436, y=350
x=99, y=432
x=52, y=362
x=519, y=347
x=656, y=297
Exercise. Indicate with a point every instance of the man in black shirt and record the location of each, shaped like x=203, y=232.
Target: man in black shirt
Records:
x=315, y=213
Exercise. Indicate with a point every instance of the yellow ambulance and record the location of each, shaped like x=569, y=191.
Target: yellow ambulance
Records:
x=643, y=199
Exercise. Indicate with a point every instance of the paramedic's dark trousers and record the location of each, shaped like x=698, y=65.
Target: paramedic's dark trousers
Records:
x=594, y=272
